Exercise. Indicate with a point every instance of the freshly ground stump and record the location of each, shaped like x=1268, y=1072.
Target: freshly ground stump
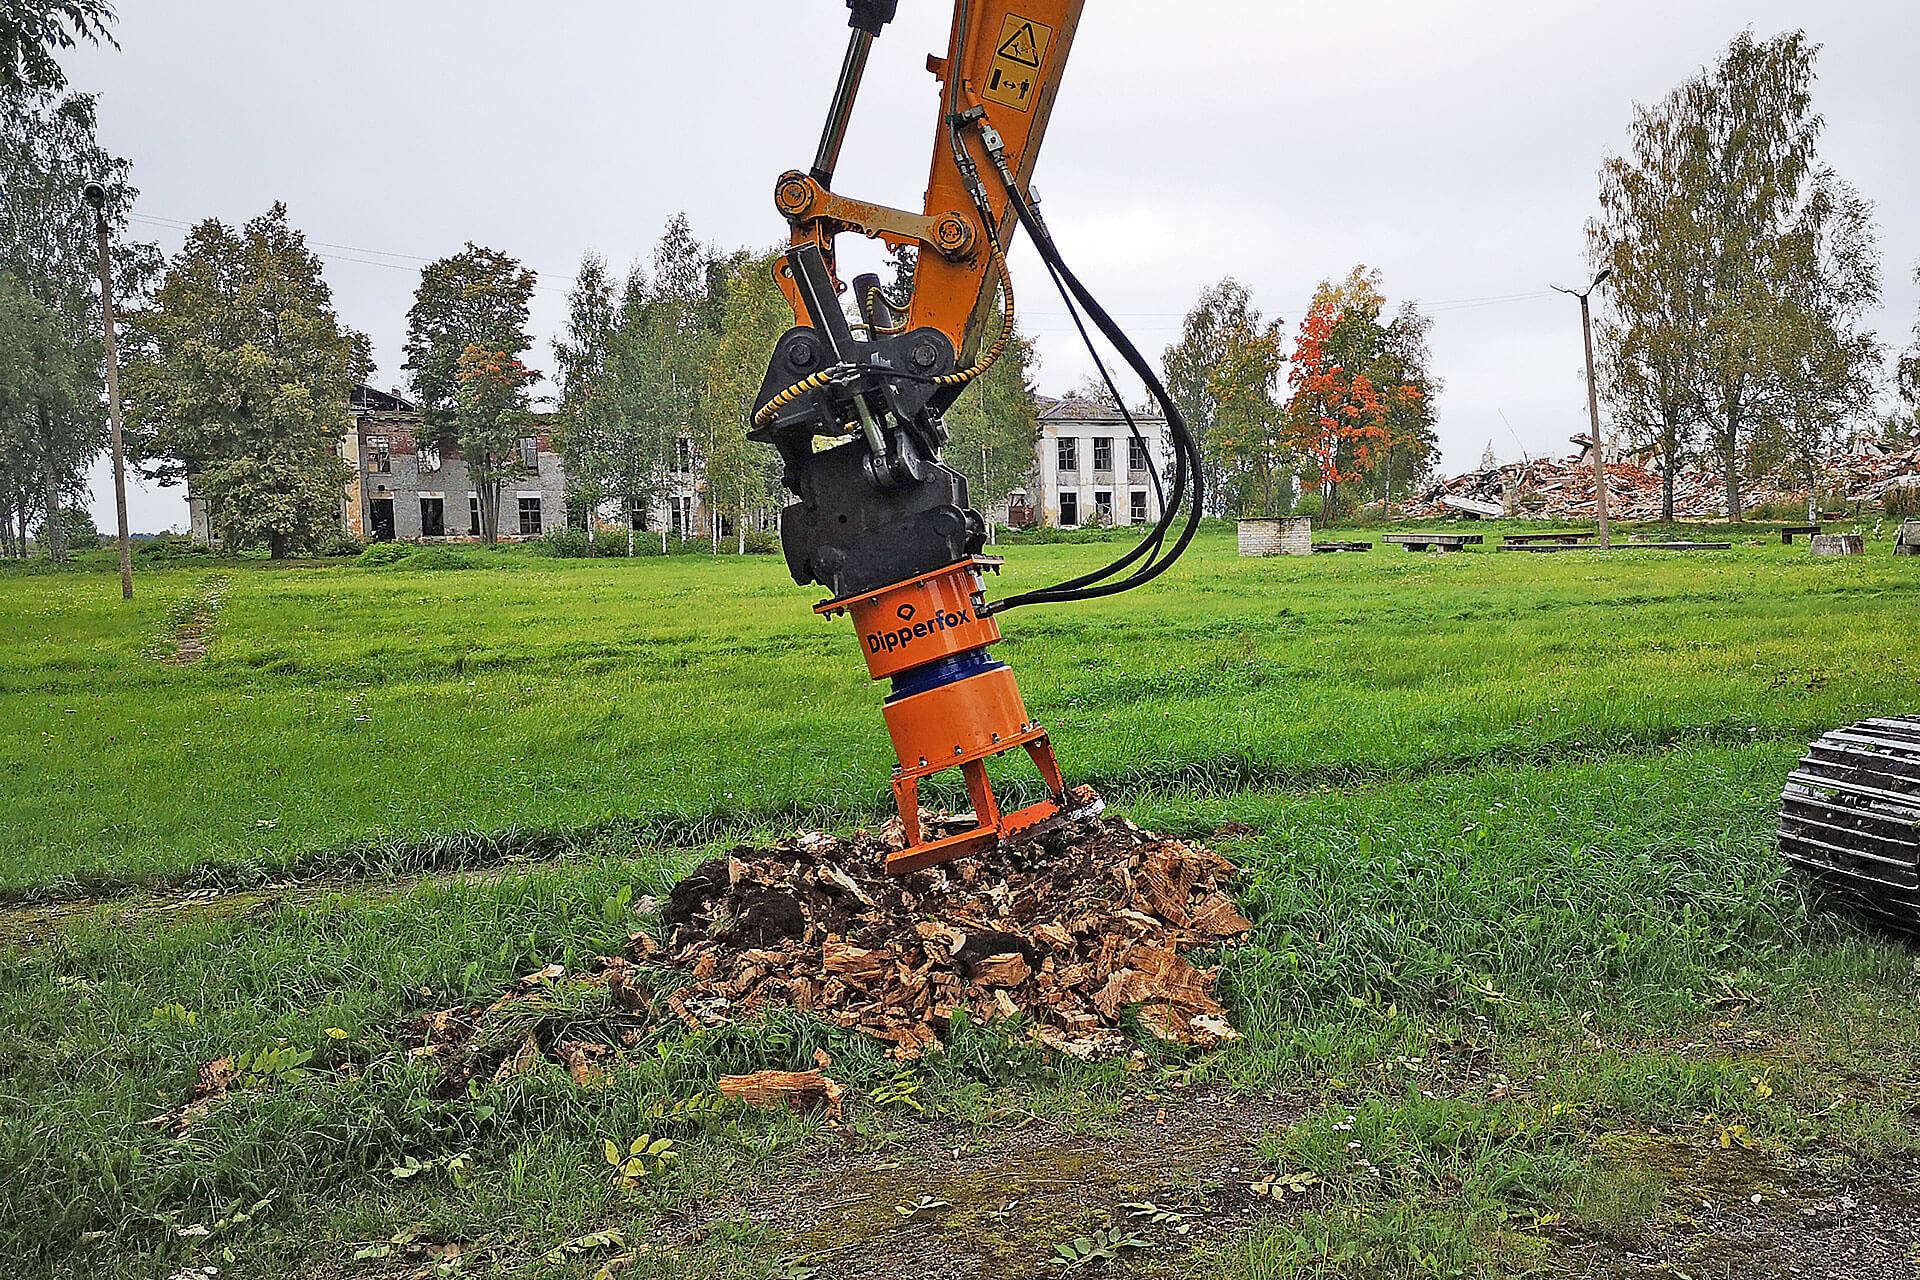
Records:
x=1087, y=935
x=1074, y=931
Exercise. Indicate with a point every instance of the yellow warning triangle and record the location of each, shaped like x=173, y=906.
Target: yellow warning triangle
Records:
x=1021, y=47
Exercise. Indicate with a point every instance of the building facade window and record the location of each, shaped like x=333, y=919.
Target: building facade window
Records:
x=1069, y=508
x=1137, y=506
x=1067, y=456
x=683, y=454
x=1103, y=453
x=637, y=519
x=433, y=518
x=379, y=454
x=530, y=453
x=1136, y=455
x=1103, y=505
x=529, y=516
x=473, y=514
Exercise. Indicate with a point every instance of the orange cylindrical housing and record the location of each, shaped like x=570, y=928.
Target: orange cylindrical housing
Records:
x=921, y=620
x=970, y=718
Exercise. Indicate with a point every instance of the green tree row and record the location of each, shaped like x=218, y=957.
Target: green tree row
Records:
x=1741, y=272
x=658, y=374
x=1358, y=411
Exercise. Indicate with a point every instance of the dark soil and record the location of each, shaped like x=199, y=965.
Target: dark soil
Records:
x=1011, y=1195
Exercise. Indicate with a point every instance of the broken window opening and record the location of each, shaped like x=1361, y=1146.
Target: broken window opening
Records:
x=382, y=522
x=433, y=518
x=1069, y=510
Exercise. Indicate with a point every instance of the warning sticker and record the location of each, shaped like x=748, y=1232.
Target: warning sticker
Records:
x=1013, y=77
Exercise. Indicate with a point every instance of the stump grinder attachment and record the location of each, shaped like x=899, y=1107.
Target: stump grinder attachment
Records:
x=856, y=410
x=1850, y=817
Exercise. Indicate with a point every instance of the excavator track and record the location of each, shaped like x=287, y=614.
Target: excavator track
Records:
x=1850, y=817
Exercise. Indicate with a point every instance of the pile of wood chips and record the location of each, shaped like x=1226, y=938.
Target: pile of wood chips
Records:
x=1070, y=930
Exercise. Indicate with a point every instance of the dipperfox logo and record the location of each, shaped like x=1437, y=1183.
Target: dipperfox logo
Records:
x=888, y=641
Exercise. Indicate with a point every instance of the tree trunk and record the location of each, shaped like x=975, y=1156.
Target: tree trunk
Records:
x=1670, y=459
x=1329, y=502
x=276, y=545
x=56, y=530
x=1730, y=457
x=490, y=511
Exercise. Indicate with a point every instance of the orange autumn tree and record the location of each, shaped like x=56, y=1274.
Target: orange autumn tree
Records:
x=491, y=417
x=1341, y=420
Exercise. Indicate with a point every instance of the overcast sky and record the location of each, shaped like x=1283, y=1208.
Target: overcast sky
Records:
x=1452, y=146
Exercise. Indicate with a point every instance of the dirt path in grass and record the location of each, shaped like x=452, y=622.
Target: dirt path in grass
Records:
x=32, y=924
x=192, y=622
x=1177, y=1174
x=1172, y=1171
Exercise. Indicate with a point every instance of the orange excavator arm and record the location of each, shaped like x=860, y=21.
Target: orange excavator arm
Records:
x=1004, y=61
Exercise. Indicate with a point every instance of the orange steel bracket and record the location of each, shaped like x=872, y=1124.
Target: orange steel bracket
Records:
x=964, y=714
x=1007, y=57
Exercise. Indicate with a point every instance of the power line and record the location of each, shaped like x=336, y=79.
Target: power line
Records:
x=340, y=250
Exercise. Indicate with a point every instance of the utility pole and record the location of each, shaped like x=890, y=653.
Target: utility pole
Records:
x=96, y=195
x=983, y=493
x=1593, y=405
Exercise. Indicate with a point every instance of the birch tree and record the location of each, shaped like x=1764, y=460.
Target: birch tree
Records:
x=31, y=31
x=1652, y=362
x=1224, y=373
x=741, y=473
x=49, y=150
x=581, y=356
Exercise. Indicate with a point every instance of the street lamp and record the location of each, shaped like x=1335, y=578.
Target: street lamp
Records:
x=95, y=193
x=1593, y=402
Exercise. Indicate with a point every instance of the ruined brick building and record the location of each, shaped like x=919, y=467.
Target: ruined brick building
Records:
x=404, y=488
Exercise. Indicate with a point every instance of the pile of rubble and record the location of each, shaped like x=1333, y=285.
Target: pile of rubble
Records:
x=1077, y=932
x=1562, y=488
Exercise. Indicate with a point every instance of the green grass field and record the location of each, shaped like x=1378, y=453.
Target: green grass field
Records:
x=1517, y=803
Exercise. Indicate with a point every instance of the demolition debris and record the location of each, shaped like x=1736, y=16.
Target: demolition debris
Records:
x=1562, y=488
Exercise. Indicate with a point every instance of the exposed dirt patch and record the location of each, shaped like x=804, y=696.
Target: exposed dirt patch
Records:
x=1738, y=1213
x=1008, y=1197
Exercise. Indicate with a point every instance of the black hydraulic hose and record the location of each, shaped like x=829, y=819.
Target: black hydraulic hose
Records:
x=1187, y=468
